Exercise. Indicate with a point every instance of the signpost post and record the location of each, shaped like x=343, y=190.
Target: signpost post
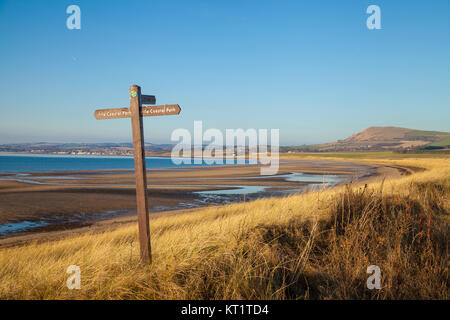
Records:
x=136, y=111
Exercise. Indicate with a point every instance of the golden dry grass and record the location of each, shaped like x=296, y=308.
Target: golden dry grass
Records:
x=311, y=246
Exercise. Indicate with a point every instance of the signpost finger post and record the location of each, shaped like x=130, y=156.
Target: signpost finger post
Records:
x=136, y=111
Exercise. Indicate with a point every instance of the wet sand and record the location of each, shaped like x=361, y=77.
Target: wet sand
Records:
x=79, y=201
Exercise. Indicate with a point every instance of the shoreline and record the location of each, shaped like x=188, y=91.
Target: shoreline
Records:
x=123, y=198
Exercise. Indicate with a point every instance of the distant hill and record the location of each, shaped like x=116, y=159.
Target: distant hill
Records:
x=385, y=138
x=378, y=134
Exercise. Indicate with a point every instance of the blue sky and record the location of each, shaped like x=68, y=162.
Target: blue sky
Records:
x=309, y=68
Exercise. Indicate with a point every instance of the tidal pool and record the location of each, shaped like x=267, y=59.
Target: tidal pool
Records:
x=23, y=226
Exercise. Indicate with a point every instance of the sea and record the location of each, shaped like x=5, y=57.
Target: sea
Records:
x=13, y=162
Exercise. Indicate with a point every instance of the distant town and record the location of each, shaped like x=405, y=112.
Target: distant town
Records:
x=96, y=149
x=93, y=149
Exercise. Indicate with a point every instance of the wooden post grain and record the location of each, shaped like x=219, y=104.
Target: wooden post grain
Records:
x=141, y=173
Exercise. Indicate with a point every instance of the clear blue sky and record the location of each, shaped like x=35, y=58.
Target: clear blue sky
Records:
x=310, y=68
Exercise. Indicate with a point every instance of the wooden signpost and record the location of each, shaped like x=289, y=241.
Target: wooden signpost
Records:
x=136, y=111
